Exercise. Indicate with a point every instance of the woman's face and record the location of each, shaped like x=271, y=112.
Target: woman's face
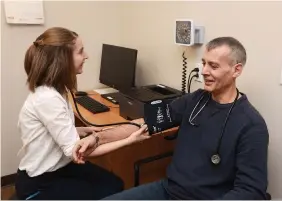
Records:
x=79, y=55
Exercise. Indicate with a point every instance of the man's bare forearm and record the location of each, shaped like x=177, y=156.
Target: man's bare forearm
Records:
x=117, y=133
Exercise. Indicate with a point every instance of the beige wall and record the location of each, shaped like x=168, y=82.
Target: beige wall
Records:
x=148, y=26
x=0, y=86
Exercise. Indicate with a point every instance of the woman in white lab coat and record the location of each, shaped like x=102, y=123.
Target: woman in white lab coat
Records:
x=46, y=124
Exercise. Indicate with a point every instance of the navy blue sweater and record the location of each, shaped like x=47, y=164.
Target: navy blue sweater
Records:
x=242, y=173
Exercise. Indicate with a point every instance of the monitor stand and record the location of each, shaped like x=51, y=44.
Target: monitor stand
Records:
x=112, y=97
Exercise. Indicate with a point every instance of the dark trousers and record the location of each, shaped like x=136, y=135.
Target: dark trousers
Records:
x=151, y=191
x=72, y=182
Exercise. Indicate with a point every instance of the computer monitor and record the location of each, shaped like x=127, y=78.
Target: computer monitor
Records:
x=118, y=66
x=117, y=69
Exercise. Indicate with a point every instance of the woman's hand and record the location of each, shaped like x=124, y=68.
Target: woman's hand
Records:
x=138, y=121
x=84, y=147
x=85, y=131
x=140, y=135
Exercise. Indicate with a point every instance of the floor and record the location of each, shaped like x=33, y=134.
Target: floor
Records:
x=7, y=192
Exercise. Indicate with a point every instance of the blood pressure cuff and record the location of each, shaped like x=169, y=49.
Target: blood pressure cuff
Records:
x=157, y=115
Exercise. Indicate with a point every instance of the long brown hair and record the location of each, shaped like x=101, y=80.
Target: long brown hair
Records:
x=49, y=60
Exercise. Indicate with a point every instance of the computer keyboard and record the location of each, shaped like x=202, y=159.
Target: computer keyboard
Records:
x=91, y=105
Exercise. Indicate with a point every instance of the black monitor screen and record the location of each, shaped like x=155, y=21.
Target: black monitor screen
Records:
x=118, y=67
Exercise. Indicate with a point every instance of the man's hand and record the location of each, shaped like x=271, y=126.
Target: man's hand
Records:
x=85, y=131
x=83, y=148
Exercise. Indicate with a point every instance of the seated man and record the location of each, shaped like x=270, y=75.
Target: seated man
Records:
x=221, y=149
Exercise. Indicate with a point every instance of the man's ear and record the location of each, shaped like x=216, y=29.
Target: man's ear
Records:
x=238, y=68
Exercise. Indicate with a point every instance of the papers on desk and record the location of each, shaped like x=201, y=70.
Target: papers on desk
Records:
x=24, y=11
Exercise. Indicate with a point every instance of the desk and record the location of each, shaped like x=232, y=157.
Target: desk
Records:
x=121, y=161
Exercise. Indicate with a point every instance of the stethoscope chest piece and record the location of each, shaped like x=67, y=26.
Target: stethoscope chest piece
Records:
x=215, y=159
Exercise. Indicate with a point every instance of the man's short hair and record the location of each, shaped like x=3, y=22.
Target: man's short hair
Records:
x=238, y=52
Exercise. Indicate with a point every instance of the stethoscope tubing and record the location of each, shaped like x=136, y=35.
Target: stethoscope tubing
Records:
x=215, y=158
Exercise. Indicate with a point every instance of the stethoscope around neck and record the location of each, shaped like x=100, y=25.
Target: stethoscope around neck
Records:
x=215, y=158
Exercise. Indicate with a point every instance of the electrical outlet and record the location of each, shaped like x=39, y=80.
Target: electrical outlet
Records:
x=200, y=78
